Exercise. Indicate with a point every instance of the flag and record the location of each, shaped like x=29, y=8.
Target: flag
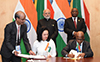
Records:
x=61, y=12
x=28, y=8
x=78, y=49
x=39, y=7
x=83, y=13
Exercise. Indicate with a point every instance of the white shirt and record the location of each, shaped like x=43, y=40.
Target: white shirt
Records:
x=75, y=19
x=39, y=47
x=16, y=35
x=17, y=30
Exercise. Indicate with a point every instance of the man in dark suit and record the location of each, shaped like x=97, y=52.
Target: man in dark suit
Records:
x=73, y=25
x=85, y=48
x=51, y=24
x=13, y=33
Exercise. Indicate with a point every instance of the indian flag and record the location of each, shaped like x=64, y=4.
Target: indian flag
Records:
x=28, y=8
x=83, y=13
x=60, y=10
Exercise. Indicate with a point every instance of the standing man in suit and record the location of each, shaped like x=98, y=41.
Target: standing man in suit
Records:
x=13, y=33
x=51, y=24
x=84, y=46
x=73, y=25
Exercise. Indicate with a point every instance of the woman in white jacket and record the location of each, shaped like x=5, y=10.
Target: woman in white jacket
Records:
x=44, y=45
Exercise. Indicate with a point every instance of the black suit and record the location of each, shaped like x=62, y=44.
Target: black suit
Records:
x=72, y=45
x=9, y=42
x=69, y=27
x=51, y=24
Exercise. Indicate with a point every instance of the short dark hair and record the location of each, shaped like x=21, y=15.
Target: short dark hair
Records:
x=16, y=15
x=39, y=34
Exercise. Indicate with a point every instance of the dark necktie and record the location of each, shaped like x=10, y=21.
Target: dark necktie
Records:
x=75, y=23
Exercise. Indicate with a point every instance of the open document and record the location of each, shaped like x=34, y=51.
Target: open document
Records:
x=31, y=56
x=75, y=53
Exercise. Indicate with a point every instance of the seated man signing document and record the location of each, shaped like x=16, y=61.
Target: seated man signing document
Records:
x=78, y=48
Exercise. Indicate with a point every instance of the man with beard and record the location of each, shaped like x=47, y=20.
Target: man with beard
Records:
x=51, y=24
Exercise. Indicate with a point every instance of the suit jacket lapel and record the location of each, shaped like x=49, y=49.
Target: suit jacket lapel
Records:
x=78, y=20
x=14, y=27
x=74, y=45
x=72, y=23
x=21, y=31
x=83, y=47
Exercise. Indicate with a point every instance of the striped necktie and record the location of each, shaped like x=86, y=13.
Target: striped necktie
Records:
x=78, y=48
x=18, y=40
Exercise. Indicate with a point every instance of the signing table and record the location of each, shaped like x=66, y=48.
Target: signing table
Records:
x=61, y=59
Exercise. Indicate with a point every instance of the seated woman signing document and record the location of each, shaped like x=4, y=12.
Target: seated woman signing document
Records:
x=44, y=45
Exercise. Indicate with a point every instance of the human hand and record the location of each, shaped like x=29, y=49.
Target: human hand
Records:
x=71, y=55
x=81, y=55
x=31, y=52
x=16, y=53
x=49, y=56
x=75, y=33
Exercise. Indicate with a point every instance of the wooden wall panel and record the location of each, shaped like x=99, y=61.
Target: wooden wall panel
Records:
x=94, y=9
x=7, y=8
x=6, y=15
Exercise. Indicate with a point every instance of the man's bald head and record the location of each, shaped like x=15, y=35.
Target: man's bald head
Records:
x=80, y=33
x=80, y=37
x=18, y=14
x=20, y=17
